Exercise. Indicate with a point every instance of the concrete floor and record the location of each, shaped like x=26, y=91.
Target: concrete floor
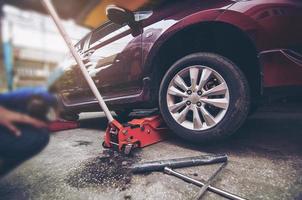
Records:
x=265, y=162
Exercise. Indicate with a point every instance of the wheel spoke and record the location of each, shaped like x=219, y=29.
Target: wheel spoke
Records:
x=208, y=118
x=197, y=123
x=180, y=83
x=206, y=73
x=219, y=103
x=217, y=90
x=176, y=107
x=194, y=76
x=182, y=115
x=192, y=90
x=176, y=92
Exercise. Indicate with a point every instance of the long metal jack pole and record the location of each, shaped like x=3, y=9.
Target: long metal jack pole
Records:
x=54, y=15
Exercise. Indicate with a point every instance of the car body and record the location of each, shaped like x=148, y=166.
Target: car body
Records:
x=262, y=37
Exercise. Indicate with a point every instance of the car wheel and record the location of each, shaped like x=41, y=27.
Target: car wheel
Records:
x=123, y=115
x=69, y=116
x=204, y=96
x=37, y=107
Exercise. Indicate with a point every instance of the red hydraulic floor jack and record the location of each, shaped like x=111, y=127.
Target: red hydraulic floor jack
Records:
x=136, y=133
x=122, y=138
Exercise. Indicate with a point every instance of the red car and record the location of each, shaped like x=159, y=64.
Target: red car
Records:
x=204, y=63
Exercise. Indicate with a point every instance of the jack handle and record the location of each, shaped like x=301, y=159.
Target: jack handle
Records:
x=54, y=15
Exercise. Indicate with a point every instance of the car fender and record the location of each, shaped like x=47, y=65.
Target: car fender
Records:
x=247, y=25
x=163, y=30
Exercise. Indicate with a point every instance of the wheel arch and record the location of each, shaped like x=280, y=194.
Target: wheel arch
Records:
x=214, y=37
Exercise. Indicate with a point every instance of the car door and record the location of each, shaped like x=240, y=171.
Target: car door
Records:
x=113, y=60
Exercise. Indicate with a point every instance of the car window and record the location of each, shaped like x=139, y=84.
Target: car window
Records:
x=103, y=31
x=142, y=15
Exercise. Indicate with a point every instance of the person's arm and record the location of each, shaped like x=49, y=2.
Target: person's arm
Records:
x=9, y=118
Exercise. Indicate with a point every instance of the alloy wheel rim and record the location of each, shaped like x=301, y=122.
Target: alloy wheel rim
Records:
x=198, y=98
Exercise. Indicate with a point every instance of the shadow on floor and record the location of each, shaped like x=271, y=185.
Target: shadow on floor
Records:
x=274, y=138
x=269, y=134
x=99, y=123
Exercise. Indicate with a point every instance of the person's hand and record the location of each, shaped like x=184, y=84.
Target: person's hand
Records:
x=9, y=118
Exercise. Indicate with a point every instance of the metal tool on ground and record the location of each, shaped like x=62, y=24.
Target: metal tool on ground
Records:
x=205, y=187
x=178, y=163
x=215, y=190
x=138, y=133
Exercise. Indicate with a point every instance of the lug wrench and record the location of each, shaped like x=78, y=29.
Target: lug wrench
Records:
x=205, y=187
x=218, y=191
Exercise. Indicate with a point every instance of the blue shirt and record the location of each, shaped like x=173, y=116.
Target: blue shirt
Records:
x=17, y=99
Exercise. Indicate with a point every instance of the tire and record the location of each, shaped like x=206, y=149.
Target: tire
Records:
x=37, y=107
x=236, y=94
x=123, y=115
x=69, y=116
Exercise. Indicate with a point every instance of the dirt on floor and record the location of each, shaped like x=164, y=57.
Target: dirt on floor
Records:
x=111, y=171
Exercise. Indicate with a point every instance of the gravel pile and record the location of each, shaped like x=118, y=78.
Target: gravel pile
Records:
x=112, y=171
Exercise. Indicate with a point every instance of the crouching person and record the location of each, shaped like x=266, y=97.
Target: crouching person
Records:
x=21, y=137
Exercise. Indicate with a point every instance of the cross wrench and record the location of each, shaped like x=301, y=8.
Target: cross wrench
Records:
x=223, y=193
x=205, y=187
